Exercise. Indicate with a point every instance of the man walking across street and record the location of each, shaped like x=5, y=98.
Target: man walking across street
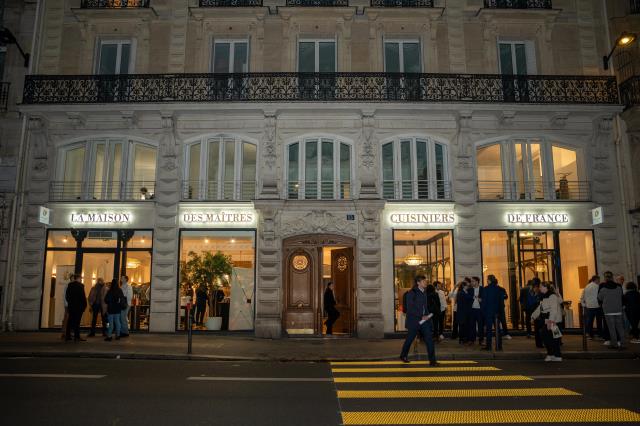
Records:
x=124, y=314
x=492, y=298
x=419, y=320
x=591, y=306
x=77, y=303
x=611, y=297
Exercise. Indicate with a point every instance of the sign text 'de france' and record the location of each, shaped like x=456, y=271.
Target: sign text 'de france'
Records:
x=537, y=218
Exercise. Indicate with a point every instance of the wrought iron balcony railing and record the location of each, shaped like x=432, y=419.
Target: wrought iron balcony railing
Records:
x=317, y=3
x=562, y=190
x=517, y=4
x=416, y=190
x=401, y=3
x=339, y=87
x=630, y=92
x=102, y=191
x=4, y=95
x=319, y=190
x=230, y=3
x=635, y=7
x=215, y=191
x=113, y=4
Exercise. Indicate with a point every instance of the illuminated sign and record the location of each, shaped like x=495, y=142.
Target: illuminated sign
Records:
x=418, y=218
x=102, y=218
x=218, y=218
x=537, y=218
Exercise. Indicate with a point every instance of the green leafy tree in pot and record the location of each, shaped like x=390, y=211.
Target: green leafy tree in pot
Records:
x=211, y=271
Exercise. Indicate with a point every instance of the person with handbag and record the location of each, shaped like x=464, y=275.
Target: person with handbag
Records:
x=116, y=302
x=549, y=312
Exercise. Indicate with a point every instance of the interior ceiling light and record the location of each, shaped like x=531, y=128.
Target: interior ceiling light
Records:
x=413, y=259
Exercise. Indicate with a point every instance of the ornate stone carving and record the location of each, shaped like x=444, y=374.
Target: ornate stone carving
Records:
x=168, y=150
x=370, y=221
x=77, y=119
x=559, y=120
x=39, y=136
x=317, y=221
x=507, y=118
x=268, y=225
x=130, y=119
x=368, y=146
x=269, y=140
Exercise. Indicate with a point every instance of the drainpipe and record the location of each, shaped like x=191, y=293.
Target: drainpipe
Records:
x=18, y=201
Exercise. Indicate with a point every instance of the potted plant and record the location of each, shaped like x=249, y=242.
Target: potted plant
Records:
x=211, y=271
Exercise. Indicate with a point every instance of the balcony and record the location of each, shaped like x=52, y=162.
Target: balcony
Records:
x=317, y=3
x=416, y=190
x=401, y=3
x=4, y=96
x=113, y=4
x=517, y=4
x=195, y=190
x=313, y=87
x=319, y=190
x=634, y=7
x=630, y=92
x=101, y=191
x=230, y=3
x=562, y=190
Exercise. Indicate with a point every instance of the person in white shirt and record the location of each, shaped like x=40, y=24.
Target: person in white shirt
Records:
x=127, y=290
x=591, y=306
x=453, y=295
x=443, y=309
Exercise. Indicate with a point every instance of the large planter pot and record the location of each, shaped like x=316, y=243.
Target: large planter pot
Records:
x=214, y=323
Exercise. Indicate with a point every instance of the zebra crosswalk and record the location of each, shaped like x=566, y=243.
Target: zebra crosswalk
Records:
x=458, y=392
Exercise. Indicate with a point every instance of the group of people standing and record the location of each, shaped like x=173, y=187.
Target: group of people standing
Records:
x=109, y=301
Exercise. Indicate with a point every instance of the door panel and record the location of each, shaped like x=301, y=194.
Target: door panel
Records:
x=342, y=277
x=301, y=302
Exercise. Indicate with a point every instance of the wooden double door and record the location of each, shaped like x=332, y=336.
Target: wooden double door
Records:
x=310, y=262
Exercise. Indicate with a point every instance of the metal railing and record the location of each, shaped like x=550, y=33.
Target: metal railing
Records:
x=416, y=190
x=634, y=7
x=630, y=92
x=401, y=3
x=317, y=3
x=530, y=191
x=517, y=4
x=4, y=95
x=216, y=191
x=319, y=190
x=338, y=87
x=230, y=3
x=102, y=191
x=113, y=4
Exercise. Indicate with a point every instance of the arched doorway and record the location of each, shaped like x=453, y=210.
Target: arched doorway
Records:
x=310, y=262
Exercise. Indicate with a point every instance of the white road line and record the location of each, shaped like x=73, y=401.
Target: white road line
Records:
x=53, y=376
x=588, y=376
x=260, y=379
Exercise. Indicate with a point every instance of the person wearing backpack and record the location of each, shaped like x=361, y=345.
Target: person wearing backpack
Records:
x=419, y=320
x=116, y=302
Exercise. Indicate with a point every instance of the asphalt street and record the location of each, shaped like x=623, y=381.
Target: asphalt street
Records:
x=80, y=391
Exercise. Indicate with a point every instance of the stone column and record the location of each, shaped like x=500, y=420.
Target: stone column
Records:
x=367, y=158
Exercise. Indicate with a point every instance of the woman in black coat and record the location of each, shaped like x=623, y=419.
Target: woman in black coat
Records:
x=433, y=306
x=464, y=308
x=330, y=307
x=631, y=303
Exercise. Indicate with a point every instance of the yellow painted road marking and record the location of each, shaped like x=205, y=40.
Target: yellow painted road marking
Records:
x=411, y=369
x=606, y=415
x=431, y=379
x=399, y=362
x=455, y=393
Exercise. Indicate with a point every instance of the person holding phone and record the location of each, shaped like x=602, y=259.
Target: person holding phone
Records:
x=419, y=320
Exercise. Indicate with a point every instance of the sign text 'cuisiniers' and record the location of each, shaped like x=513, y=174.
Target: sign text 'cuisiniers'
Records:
x=423, y=218
x=218, y=217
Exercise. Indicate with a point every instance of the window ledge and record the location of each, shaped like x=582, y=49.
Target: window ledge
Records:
x=120, y=14
x=228, y=12
x=518, y=15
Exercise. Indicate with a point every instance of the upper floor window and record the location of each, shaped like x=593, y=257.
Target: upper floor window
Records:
x=531, y=169
x=319, y=168
x=517, y=57
x=115, y=57
x=3, y=54
x=317, y=56
x=230, y=56
x=415, y=169
x=105, y=169
x=402, y=56
x=220, y=168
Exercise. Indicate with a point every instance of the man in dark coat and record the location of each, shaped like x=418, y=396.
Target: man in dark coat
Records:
x=77, y=303
x=492, y=300
x=330, y=307
x=419, y=320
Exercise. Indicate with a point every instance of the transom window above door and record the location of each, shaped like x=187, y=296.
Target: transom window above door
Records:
x=319, y=168
x=415, y=169
x=317, y=56
x=220, y=168
x=115, y=57
x=230, y=56
x=531, y=169
x=517, y=57
x=402, y=56
x=105, y=169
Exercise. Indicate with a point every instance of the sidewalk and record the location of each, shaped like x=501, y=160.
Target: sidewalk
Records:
x=216, y=347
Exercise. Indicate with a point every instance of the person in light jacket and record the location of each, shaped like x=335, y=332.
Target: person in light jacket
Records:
x=610, y=295
x=453, y=297
x=95, y=302
x=127, y=290
x=549, y=311
x=443, y=309
x=591, y=306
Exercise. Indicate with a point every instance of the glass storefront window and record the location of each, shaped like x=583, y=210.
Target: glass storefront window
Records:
x=578, y=261
x=418, y=252
x=224, y=302
x=489, y=162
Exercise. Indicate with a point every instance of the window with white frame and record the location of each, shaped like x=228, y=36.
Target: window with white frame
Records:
x=220, y=168
x=230, y=56
x=531, y=169
x=415, y=169
x=115, y=57
x=319, y=168
x=402, y=56
x=517, y=57
x=317, y=56
x=106, y=169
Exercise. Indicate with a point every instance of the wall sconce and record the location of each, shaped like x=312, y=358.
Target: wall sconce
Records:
x=7, y=37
